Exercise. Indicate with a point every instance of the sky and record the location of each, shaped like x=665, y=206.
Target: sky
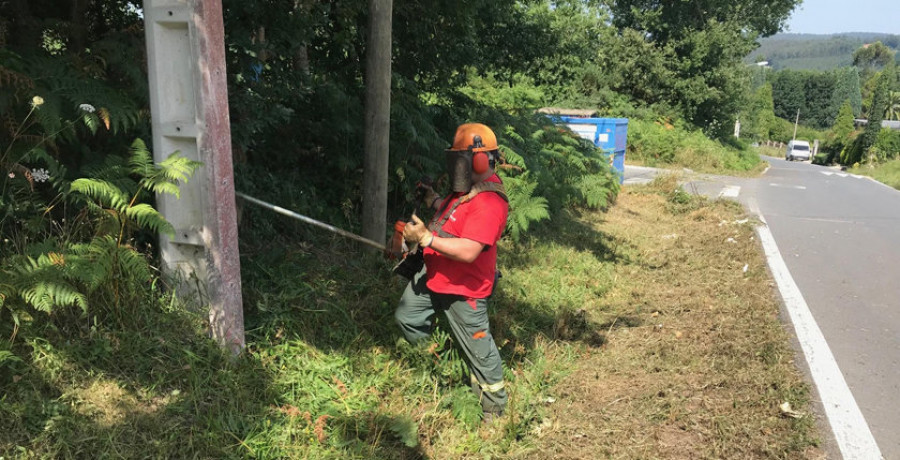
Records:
x=837, y=16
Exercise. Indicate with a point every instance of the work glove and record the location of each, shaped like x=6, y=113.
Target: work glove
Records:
x=416, y=232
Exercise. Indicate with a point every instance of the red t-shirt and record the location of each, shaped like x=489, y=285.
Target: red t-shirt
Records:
x=481, y=219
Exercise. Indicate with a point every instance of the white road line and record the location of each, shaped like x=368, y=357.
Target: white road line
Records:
x=730, y=191
x=827, y=173
x=798, y=187
x=847, y=422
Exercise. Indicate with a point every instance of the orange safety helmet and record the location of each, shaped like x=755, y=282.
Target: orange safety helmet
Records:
x=478, y=139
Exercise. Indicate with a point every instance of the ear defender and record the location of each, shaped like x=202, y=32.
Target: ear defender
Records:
x=480, y=162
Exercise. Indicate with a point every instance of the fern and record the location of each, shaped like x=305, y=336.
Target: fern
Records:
x=524, y=207
x=61, y=273
x=511, y=156
x=102, y=192
x=510, y=132
x=133, y=263
x=65, y=86
x=450, y=364
x=597, y=190
x=119, y=200
x=147, y=217
x=91, y=262
x=42, y=283
x=46, y=296
x=169, y=173
x=404, y=427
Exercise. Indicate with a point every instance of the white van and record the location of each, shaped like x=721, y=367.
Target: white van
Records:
x=797, y=150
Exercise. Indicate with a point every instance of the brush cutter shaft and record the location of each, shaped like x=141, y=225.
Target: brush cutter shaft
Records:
x=311, y=221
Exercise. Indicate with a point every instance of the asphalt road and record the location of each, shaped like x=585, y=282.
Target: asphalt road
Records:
x=839, y=236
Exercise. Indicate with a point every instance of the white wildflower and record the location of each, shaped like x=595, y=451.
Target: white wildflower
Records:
x=87, y=108
x=12, y=175
x=37, y=101
x=40, y=175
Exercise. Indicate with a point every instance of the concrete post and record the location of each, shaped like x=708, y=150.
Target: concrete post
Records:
x=189, y=107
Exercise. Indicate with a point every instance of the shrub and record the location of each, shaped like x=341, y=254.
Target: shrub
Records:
x=80, y=249
x=662, y=143
x=888, y=143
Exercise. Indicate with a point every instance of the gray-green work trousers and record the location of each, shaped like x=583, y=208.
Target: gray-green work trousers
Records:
x=468, y=320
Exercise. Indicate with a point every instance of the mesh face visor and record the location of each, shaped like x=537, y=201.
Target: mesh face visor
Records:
x=459, y=166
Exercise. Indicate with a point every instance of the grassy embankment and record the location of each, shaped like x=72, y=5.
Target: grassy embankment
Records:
x=648, y=332
x=887, y=173
x=660, y=144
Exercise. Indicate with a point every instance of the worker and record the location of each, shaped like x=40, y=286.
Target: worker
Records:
x=460, y=250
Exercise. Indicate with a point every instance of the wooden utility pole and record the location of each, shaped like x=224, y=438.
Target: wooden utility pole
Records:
x=378, y=120
x=189, y=114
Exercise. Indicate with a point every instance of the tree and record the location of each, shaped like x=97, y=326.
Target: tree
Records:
x=843, y=124
x=843, y=130
x=818, y=92
x=846, y=88
x=760, y=118
x=877, y=110
x=571, y=49
x=789, y=93
x=668, y=22
x=702, y=44
x=872, y=57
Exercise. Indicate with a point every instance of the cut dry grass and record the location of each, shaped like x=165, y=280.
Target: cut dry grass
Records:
x=696, y=362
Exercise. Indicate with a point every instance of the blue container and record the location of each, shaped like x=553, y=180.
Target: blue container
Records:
x=608, y=134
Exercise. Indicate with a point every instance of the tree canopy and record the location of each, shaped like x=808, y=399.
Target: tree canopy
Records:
x=873, y=56
x=295, y=73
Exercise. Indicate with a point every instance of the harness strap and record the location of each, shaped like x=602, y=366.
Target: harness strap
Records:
x=496, y=187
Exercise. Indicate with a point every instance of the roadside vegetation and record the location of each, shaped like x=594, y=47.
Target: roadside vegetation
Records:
x=98, y=357
x=649, y=331
x=662, y=144
x=887, y=173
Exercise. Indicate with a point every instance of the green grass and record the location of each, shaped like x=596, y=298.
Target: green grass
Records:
x=326, y=375
x=887, y=173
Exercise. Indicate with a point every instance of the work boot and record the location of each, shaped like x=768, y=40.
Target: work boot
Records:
x=489, y=417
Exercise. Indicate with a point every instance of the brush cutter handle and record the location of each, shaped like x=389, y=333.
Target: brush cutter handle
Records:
x=425, y=193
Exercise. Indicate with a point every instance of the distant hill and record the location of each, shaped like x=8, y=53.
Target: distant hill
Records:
x=816, y=52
